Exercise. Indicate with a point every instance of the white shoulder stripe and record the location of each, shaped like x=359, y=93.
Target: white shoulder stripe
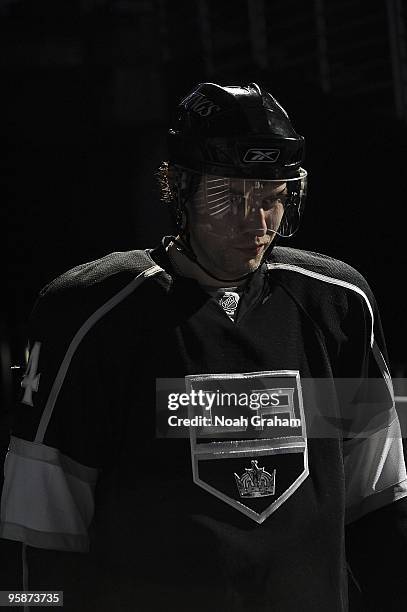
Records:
x=333, y=281
x=381, y=362
x=76, y=340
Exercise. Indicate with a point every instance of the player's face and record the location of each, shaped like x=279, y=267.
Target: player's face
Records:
x=232, y=223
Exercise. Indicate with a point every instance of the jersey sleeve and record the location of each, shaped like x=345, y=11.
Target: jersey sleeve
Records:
x=375, y=472
x=68, y=423
x=61, y=433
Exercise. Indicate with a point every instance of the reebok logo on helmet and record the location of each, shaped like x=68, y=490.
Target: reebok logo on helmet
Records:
x=262, y=155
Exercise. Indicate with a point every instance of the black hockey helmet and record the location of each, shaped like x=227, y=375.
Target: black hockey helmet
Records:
x=235, y=131
x=231, y=147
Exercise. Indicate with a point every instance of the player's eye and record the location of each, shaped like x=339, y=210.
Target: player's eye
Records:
x=271, y=202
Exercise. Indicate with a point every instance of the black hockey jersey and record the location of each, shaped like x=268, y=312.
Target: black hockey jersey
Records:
x=250, y=520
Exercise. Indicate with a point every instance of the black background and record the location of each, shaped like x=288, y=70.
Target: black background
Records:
x=89, y=87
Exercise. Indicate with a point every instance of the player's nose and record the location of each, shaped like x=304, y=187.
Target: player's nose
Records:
x=255, y=222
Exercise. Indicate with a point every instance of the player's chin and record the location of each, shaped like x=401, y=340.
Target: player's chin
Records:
x=251, y=261
x=253, y=264
x=245, y=267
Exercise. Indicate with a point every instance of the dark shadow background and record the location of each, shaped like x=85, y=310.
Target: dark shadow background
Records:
x=88, y=87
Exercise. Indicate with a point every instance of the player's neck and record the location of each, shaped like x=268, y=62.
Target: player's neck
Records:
x=188, y=268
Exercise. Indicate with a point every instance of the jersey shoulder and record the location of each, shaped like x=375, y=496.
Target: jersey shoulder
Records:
x=78, y=293
x=320, y=268
x=119, y=265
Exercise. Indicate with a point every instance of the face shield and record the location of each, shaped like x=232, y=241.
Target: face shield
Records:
x=229, y=206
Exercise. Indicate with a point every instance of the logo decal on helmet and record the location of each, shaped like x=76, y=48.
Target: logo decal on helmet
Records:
x=262, y=155
x=200, y=104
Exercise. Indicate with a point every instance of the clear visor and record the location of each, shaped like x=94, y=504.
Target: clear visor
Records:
x=231, y=205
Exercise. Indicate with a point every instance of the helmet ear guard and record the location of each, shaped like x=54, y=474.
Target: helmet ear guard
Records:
x=180, y=184
x=294, y=209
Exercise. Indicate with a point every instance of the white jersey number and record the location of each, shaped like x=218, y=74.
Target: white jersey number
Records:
x=31, y=379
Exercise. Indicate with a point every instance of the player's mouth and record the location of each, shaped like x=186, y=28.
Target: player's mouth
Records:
x=253, y=249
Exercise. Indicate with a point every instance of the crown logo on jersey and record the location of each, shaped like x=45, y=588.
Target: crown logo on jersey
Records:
x=256, y=482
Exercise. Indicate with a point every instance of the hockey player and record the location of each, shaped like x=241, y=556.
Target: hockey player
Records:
x=242, y=517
